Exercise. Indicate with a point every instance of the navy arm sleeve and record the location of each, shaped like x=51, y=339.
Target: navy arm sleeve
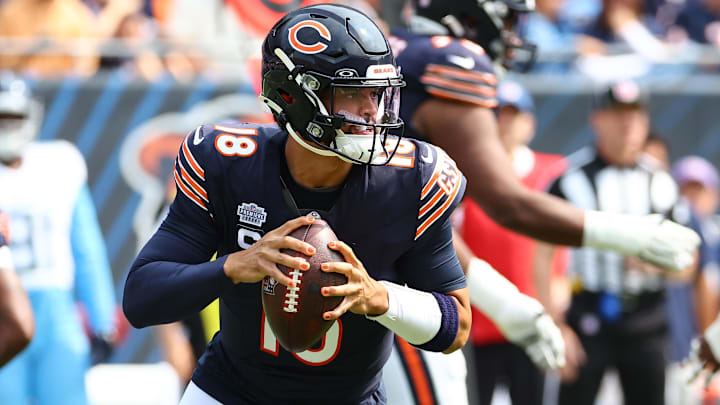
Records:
x=432, y=265
x=171, y=278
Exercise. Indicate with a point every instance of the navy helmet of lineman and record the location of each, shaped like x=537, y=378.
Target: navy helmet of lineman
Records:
x=20, y=116
x=319, y=54
x=493, y=24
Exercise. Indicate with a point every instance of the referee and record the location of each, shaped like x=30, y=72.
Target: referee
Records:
x=616, y=316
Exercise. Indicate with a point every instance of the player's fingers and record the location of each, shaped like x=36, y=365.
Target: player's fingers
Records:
x=292, y=262
x=340, y=290
x=343, y=268
x=697, y=369
x=273, y=271
x=289, y=242
x=336, y=313
x=293, y=224
x=346, y=251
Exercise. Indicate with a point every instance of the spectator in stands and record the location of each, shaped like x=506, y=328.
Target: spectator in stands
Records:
x=623, y=23
x=133, y=37
x=699, y=184
x=551, y=31
x=50, y=38
x=498, y=361
x=700, y=21
x=617, y=309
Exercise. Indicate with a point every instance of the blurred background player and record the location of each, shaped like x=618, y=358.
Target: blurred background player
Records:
x=58, y=252
x=617, y=308
x=449, y=57
x=498, y=362
x=17, y=324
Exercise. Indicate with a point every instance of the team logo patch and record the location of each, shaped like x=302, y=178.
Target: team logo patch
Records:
x=309, y=48
x=252, y=214
x=268, y=285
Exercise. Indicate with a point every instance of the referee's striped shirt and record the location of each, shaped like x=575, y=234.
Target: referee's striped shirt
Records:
x=591, y=183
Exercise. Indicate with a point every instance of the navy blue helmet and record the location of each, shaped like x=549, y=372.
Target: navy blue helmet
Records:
x=493, y=24
x=318, y=54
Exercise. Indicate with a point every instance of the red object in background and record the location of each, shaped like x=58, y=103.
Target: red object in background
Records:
x=510, y=253
x=260, y=15
x=122, y=325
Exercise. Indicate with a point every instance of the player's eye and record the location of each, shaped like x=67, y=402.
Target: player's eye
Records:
x=377, y=94
x=348, y=92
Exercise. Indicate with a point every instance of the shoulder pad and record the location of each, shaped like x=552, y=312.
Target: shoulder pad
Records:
x=203, y=147
x=190, y=166
x=460, y=70
x=442, y=189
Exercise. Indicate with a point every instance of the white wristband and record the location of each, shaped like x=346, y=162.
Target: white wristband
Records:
x=412, y=314
x=712, y=337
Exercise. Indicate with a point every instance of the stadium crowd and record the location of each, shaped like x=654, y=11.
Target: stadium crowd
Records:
x=621, y=47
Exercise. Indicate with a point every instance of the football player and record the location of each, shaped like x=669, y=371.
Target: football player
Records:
x=17, y=324
x=58, y=253
x=330, y=80
x=450, y=57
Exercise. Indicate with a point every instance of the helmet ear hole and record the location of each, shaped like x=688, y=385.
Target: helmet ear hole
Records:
x=287, y=97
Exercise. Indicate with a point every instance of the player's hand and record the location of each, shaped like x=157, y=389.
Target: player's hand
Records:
x=534, y=330
x=701, y=361
x=261, y=259
x=575, y=355
x=670, y=244
x=651, y=237
x=363, y=294
x=705, y=353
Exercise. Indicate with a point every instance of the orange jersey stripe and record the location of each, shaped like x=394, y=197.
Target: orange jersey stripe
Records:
x=430, y=203
x=465, y=98
x=192, y=183
x=430, y=183
x=188, y=193
x=488, y=78
x=425, y=225
x=433, y=79
x=418, y=377
x=191, y=159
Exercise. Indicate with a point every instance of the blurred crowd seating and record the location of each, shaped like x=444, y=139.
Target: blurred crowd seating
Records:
x=603, y=39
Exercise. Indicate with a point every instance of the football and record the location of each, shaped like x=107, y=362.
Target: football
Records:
x=295, y=314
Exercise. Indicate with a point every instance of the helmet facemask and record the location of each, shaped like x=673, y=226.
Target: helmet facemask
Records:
x=20, y=118
x=355, y=118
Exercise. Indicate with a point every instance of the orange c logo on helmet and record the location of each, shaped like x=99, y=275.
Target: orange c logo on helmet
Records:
x=317, y=47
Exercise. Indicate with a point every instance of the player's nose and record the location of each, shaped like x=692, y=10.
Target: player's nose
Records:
x=369, y=106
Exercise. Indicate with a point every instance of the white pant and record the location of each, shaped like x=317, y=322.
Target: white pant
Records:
x=447, y=372
x=195, y=396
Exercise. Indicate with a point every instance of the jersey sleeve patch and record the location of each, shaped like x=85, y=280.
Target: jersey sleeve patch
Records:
x=458, y=84
x=189, y=174
x=438, y=194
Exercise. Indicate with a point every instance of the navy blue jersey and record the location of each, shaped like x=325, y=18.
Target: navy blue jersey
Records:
x=444, y=67
x=395, y=218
